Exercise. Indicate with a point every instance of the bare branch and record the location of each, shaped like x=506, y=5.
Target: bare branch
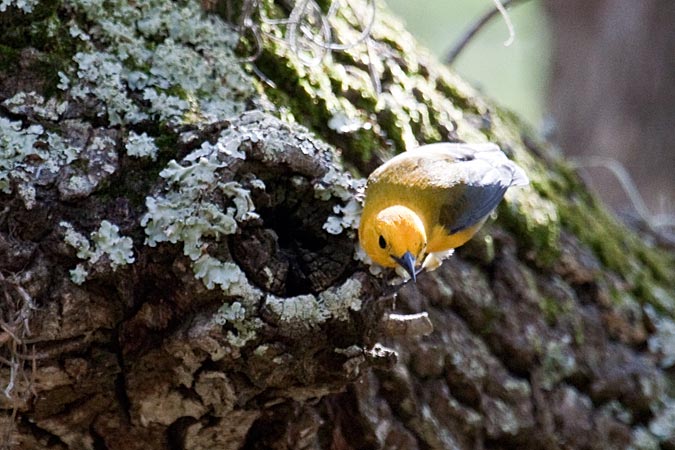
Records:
x=499, y=8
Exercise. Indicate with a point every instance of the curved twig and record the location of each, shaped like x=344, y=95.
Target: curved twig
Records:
x=499, y=8
x=654, y=221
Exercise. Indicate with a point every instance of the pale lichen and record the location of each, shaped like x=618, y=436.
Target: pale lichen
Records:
x=536, y=219
x=141, y=146
x=299, y=311
x=187, y=214
x=200, y=203
x=662, y=341
x=33, y=105
x=106, y=241
x=30, y=153
x=129, y=63
x=25, y=6
x=309, y=311
x=350, y=191
x=100, y=74
x=228, y=276
x=643, y=440
x=342, y=299
x=662, y=426
x=198, y=206
x=346, y=217
x=161, y=60
x=235, y=315
x=100, y=161
x=341, y=122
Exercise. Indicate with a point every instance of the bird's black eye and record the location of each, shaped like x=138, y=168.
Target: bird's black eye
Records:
x=383, y=243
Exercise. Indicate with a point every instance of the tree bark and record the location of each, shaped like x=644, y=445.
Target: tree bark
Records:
x=178, y=261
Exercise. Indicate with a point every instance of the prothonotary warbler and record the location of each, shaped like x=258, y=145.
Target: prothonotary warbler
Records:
x=425, y=202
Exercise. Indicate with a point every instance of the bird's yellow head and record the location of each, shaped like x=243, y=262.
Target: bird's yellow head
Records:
x=394, y=236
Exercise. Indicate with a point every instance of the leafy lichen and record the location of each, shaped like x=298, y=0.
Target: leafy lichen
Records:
x=185, y=214
x=172, y=58
x=350, y=191
x=106, y=241
x=141, y=145
x=235, y=315
x=24, y=5
x=662, y=425
x=29, y=153
x=309, y=311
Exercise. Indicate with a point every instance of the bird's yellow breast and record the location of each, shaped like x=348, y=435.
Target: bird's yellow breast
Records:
x=439, y=240
x=426, y=202
x=434, y=198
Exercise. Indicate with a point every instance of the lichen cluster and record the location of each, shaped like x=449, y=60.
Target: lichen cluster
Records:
x=129, y=65
x=24, y=5
x=162, y=61
x=106, y=241
x=199, y=204
x=189, y=212
x=29, y=155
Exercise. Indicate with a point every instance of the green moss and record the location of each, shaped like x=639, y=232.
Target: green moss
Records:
x=595, y=231
x=648, y=271
x=166, y=142
x=48, y=67
x=661, y=264
x=618, y=248
x=535, y=222
x=21, y=30
x=363, y=145
x=314, y=94
x=450, y=88
x=392, y=126
x=9, y=58
x=293, y=92
x=423, y=102
x=43, y=31
x=311, y=101
x=553, y=309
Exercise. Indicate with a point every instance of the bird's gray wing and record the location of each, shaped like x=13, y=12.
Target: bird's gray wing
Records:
x=470, y=179
x=467, y=205
x=474, y=179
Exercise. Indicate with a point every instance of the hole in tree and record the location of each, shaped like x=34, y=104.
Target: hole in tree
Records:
x=288, y=252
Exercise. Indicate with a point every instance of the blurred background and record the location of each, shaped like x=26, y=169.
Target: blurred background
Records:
x=516, y=75
x=597, y=77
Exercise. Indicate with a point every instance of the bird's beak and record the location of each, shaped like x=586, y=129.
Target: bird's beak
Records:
x=407, y=261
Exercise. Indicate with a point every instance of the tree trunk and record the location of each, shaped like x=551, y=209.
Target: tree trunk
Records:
x=622, y=106
x=177, y=254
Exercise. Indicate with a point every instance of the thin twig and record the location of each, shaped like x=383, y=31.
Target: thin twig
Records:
x=9, y=331
x=653, y=221
x=507, y=21
x=264, y=78
x=309, y=33
x=15, y=314
x=499, y=8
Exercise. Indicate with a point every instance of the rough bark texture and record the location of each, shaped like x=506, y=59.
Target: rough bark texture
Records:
x=177, y=265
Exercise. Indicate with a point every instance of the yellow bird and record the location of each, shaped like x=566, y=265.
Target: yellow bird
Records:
x=425, y=202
